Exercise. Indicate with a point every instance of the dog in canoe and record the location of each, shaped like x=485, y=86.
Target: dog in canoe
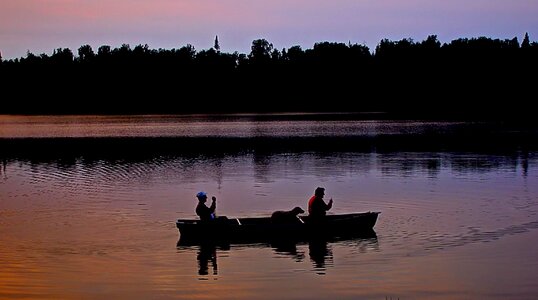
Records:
x=287, y=217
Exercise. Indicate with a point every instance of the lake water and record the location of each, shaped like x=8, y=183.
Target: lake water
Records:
x=86, y=225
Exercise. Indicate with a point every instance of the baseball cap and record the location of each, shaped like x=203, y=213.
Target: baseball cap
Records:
x=201, y=194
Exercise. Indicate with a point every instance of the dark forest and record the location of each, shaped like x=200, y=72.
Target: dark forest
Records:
x=467, y=77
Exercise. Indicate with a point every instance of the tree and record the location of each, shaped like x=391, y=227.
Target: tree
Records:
x=62, y=56
x=295, y=53
x=275, y=55
x=207, y=58
x=186, y=53
x=141, y=50
x=85, y=53
x=104, y=50
x=260, y=51
x=526, y=42
x=431, y=43
x=217, y=46
x=123, y=51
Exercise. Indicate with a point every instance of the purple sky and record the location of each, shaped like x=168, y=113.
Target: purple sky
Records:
x=43, y=25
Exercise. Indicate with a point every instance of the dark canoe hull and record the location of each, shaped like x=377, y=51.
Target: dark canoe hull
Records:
x=262, y=229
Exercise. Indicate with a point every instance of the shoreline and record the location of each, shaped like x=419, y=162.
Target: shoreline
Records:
x=136, y=147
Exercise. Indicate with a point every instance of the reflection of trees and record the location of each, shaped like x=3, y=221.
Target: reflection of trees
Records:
x=524, y=161
x=262, y=167
x=319, y=164
x=479, y=164
x=434, y=166
x=3, y=169
x=265, y=167
x=471, y=163
x=407, y=164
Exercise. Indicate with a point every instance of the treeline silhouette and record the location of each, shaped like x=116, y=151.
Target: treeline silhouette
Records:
x=465, y=77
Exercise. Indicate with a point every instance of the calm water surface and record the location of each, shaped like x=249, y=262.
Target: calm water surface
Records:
x=453, y=225
x=246, y=125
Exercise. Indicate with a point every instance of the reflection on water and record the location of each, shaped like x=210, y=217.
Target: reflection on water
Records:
x=3, y=169
x=206, y=254
x=237, y=125
x=99, y=223
x=319, y=251
x=289, y=248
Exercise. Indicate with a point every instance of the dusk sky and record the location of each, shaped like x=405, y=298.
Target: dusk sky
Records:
x=43, y=25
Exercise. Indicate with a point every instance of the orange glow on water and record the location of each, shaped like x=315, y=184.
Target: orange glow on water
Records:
x=452, y=225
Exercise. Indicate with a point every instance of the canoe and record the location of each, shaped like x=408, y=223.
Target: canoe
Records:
x=263, y=228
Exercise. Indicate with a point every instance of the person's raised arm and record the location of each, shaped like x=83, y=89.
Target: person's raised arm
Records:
x=213, y=204
x=330, y=205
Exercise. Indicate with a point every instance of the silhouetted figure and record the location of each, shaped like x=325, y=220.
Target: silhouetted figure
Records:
x=205, y=213
x=317, y=208
x=206, y=254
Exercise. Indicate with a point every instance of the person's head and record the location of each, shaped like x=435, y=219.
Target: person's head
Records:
x=320, y=192
x=202, y=196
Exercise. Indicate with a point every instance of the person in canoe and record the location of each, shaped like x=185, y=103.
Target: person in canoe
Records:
x=206, y=213
x=317, y=208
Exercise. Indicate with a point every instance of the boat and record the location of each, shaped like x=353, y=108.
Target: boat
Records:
x=259, y=229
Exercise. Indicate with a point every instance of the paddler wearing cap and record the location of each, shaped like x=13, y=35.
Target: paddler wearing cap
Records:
x=205, y=213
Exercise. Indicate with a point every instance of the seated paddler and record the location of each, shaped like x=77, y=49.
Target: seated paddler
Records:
x=206, y=213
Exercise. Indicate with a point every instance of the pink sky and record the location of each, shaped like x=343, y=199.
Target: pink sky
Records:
x=43, y=25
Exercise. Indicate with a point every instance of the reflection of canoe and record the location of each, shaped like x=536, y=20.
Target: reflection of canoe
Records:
x=318, y=249
x=261, y=229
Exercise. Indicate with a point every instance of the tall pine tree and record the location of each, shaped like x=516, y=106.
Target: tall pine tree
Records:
x=526, y=42
x=217, y=46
